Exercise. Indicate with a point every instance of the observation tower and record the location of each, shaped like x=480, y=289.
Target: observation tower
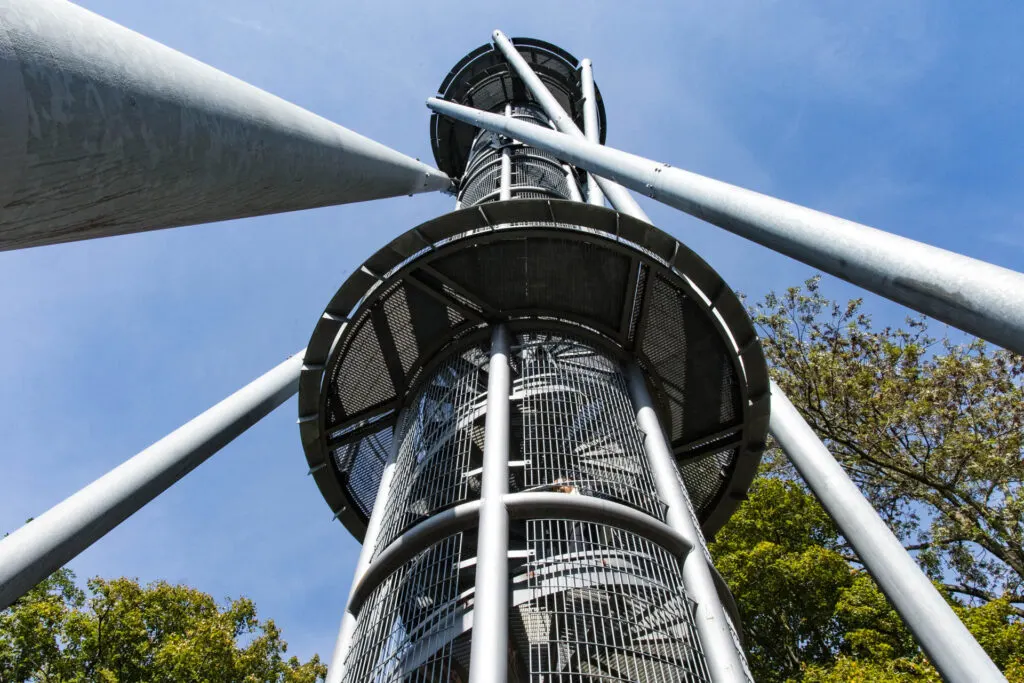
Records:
x=532, y=411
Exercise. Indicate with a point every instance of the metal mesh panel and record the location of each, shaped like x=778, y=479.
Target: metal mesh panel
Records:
x=361, y=380
x=607, y=605
x=437, y=447
x=579, y=428
x=399, y=317
x=535, y=173
x=665, y=304
x=543, y=273
x=703, y=476
x=402, y=631
x=363, y=463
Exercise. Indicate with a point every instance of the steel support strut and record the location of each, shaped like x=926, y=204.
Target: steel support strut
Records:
x=724, y=660
x=974, y=296
x=49, y=541
x=942, y=636
x=617, y=195
x=591, y=126
x=106, y=132
x=505, y=187
x=336, y=670
x=489, y=651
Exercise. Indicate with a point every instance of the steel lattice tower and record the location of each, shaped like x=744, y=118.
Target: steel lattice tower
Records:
x=531, y=411
x=477, y=417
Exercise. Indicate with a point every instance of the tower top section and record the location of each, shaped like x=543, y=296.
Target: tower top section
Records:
x=484, y=80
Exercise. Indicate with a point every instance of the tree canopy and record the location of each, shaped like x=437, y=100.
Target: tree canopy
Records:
x=931, y=432
x=119, y=631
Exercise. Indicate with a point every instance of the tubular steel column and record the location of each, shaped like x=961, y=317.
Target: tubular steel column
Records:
x=591, y=127
x=976, y=297
x=138, y=137
x=723, y=660
x=488, y=658
x=506, y=165
x=34, y=551
x=943, y=637
x=617, y=195
x=336, y=670
x=570, y=180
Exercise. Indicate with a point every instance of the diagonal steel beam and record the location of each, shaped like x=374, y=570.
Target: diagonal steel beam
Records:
x=977, y=297
x=51, y=540
x=941, y=634
x=106, y=132
x=619, y=197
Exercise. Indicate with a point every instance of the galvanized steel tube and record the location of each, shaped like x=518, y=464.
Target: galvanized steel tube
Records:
x=941, y=634
x=49, y=541
x=977, y=297
x=591, y=126
x=106, y=132
x=488, y=656
x=723, y=659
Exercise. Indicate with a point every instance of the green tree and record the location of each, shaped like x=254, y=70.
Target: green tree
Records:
x=931, y=432
x=812, y=615
x=122, y=632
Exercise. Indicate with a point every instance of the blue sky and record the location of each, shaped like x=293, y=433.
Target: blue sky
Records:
x=905, y=116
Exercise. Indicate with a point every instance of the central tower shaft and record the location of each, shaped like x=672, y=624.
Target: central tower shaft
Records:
x=480, y=385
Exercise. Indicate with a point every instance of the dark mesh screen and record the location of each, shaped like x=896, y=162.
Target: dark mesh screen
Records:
x=543, y=273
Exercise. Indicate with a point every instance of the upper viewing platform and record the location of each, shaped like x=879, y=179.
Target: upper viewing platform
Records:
x=483, y=80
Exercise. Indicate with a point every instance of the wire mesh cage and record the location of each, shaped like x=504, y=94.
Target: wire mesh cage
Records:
x=404, y=629
x=535, y=173
x=442, y=435
x=605, y=605
x=579, y=431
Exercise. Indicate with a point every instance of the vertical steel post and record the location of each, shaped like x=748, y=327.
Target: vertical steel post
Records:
x=591, y=127
x=720, y=649
x=570, y=180
x=942, y=636
x=617, y=195
x=49, y=541
x=488, y=654
x=336, y=670
x=505, y=189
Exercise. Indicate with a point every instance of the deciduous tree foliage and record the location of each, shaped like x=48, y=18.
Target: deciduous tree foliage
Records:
x=931, y=432
x=121, y=632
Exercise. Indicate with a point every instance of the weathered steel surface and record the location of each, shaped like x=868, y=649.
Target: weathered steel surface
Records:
x=105, y=132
